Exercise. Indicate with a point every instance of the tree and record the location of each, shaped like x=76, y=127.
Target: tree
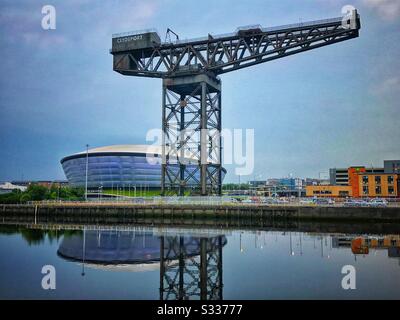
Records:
x=25, y=197
x=37, y=192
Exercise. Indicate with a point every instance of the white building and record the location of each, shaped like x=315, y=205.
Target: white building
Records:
x=9, y=187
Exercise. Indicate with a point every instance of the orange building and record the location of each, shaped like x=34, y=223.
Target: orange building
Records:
x=362, y=245
x=353, y=173
x=384, y=185
x=361, y=182
x=328, y=191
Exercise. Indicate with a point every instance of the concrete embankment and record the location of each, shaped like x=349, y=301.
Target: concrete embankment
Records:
x=113, y=211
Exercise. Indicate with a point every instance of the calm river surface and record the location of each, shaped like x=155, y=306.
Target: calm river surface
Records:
x=172, y=263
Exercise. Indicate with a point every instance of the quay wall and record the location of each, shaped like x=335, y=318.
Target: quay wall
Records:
x=193, y=212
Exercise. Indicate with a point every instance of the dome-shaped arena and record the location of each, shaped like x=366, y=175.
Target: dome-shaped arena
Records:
x=118, y=166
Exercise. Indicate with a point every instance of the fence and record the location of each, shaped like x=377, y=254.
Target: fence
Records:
x=218, y=201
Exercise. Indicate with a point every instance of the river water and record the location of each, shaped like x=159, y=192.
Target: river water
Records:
x=94, y=262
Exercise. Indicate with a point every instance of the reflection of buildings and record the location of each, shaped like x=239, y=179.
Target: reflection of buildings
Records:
x=190, y=266
x=363, y=244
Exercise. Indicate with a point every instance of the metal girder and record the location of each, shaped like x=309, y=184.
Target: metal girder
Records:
x=192, y=93
x=191, y=146
x=191, y=268
x=232, y=52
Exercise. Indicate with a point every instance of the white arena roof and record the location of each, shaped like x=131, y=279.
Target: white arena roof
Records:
x=129, y=148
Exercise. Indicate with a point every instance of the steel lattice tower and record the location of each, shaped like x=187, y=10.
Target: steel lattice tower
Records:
x=191, y=91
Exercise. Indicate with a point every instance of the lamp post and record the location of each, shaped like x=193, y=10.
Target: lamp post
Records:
x=87, y=165
x=291, y=245
x=83, y=251
x=255, y=183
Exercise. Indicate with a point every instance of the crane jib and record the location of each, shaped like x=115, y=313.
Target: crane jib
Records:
x=145, y=55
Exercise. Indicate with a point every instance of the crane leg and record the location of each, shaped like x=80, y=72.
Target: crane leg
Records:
x=191, y=123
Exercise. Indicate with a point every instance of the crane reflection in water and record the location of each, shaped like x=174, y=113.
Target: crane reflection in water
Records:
x=190, y=264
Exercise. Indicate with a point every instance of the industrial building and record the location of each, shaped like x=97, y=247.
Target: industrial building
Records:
x=120, y=166
x=359, y=181
x=283, y=187
x=391, y=166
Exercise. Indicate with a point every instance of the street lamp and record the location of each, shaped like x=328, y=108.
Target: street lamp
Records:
x=87, y=165
x=101, y=191
x=255, y=183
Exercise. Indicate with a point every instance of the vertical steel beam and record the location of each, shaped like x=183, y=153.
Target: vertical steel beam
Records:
x=182, y=184
x=220, y=143
x=219, y=268
x=203, y=140
x=203, y=269
x=181, y=268
x=162, y=268
x=164, y=133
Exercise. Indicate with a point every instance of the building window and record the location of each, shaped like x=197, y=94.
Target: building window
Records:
x=322, y=192
x=343, y=193
x=391, y=190
x=390, y=179
x=378, y=179
x=378, y=190
x=365, y=190
x=365, y=179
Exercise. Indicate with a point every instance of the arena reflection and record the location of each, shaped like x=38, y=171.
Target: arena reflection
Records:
x=190, y=265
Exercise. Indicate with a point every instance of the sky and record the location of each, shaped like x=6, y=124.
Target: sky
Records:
x=335, y=106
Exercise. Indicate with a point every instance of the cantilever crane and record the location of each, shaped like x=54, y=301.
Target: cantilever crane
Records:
x=191, y=92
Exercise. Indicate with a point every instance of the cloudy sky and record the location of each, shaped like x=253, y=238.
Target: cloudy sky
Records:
x=335, y=106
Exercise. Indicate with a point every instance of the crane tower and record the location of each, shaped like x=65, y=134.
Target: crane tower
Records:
x=191, y=86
